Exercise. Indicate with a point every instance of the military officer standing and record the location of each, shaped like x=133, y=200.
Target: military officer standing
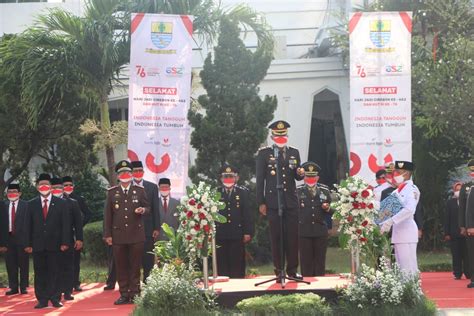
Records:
x=124, y=230
x=286, y=161
x=405, y=230
x=466, y=219
x=314, y=199
x=232, y=236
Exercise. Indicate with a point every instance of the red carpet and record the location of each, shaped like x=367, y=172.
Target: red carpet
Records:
x=438, y=286
x=447, y=292
x=93, y=300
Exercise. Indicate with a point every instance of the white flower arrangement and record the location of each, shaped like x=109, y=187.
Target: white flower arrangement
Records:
x=385, y=286
x=197, y=213
x=355, y=211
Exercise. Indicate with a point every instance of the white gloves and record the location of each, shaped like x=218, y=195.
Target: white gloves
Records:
x=386, y=225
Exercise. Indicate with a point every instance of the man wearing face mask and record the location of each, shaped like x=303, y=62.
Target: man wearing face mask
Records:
x=314, y=200
x=124, y=230
x=232, y=235
x=287, y=160
x=69, y=192
x=453, y=235
x=466, y=218
x=76, y=238
x=47, y=234
x=167, y=207
x=405, y=231
x=16, y=259
x=151, y=219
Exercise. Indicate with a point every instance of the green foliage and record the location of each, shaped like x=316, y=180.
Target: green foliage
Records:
x=88, y=184
x=27, y=185
x=94, y=246
x=234, y=121
x=294, y=304
x=424, y=307
x=172, y=290
x=171, y=251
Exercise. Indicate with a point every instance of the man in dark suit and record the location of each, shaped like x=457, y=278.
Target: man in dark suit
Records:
x=69, y=192
x=167, y=206
x=151, y=219
x=285, y=160
x=466, y=218
x=124, y=230
x=47, y=232
x=16, y=259
x=76, y=238
x=232, y=235
x=314, y=199
x=453, y=235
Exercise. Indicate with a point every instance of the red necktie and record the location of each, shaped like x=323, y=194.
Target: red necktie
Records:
x=45, y=208
x=165, y=204
x=13, y=218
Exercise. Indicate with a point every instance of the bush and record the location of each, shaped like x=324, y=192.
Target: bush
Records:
x=94, y=246
x=294, y=304
x=171, y=290
x=424, y=307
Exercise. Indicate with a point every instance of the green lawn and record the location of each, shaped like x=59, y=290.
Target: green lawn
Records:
x=337, y=261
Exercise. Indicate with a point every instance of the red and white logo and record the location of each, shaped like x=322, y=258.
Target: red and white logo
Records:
x=380, y=90
x=160, y=90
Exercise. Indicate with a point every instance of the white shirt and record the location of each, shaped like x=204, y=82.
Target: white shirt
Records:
x=48, y=198
x=127, y=188
x=10, y=209
x=404, y=225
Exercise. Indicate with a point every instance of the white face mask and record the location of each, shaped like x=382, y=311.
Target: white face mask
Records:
x=165, y=193
x=399, y=179
x=456, y=194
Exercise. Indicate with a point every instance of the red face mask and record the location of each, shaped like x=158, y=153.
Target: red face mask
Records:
x=280, y=140
x=472, y=174
x=125, y=177
x=57, y=192
x=381, y=181
x=311, y=181
x=68, y=189
x=165, y=192
x=13, y=196
x=228, y=182
x=138, y=175
x=44, y=189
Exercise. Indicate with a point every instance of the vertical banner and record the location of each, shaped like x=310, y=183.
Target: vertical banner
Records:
x=380, y=91
x=159, y=96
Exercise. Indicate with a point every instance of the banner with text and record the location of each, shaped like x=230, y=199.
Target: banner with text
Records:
x=159, y=96
x=380, y=91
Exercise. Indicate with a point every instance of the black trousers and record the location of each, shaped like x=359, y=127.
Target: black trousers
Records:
x=313, y=255
x=47, y=281
x=128, y=261
x=66, y=275
x=17, y=262
x=470, y=251
x=459, y=256
x=111, y=273
x=77, y=268
x=231, y=258
x=289, y=239
x=148, y=259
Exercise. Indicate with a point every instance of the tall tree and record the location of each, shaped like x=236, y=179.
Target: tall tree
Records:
x=230, y=120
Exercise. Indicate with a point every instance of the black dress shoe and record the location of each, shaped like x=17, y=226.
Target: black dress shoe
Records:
x=109, y=287
x=470, y=285
x=41, y=305
x=122, y=300
x=24, y=291
x=296, y=276
x=11, y=292
x=68, y=297
x=57, y=304
x=77, y=288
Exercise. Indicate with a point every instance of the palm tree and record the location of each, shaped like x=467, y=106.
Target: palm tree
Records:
x=102, y=42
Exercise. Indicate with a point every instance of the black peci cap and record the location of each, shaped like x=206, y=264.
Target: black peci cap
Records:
x=164, y=181
x=67, y=179
x=137, y=164
x=56, y=181
x=380, y=174
x=44, y=177
x=14, y=186
x=404, y=165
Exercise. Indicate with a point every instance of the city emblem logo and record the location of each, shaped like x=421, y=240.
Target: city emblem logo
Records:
x=161, y=33
x=380, y=32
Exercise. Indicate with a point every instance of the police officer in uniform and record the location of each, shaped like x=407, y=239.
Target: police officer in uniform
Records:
x=232, y=236
x=405, y=230
x=314, y=199
x=466, y=219
x=124, y=230
x=287, y=160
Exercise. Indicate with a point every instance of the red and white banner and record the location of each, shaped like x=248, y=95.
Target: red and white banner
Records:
x=380, y=90
x=159, y=96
